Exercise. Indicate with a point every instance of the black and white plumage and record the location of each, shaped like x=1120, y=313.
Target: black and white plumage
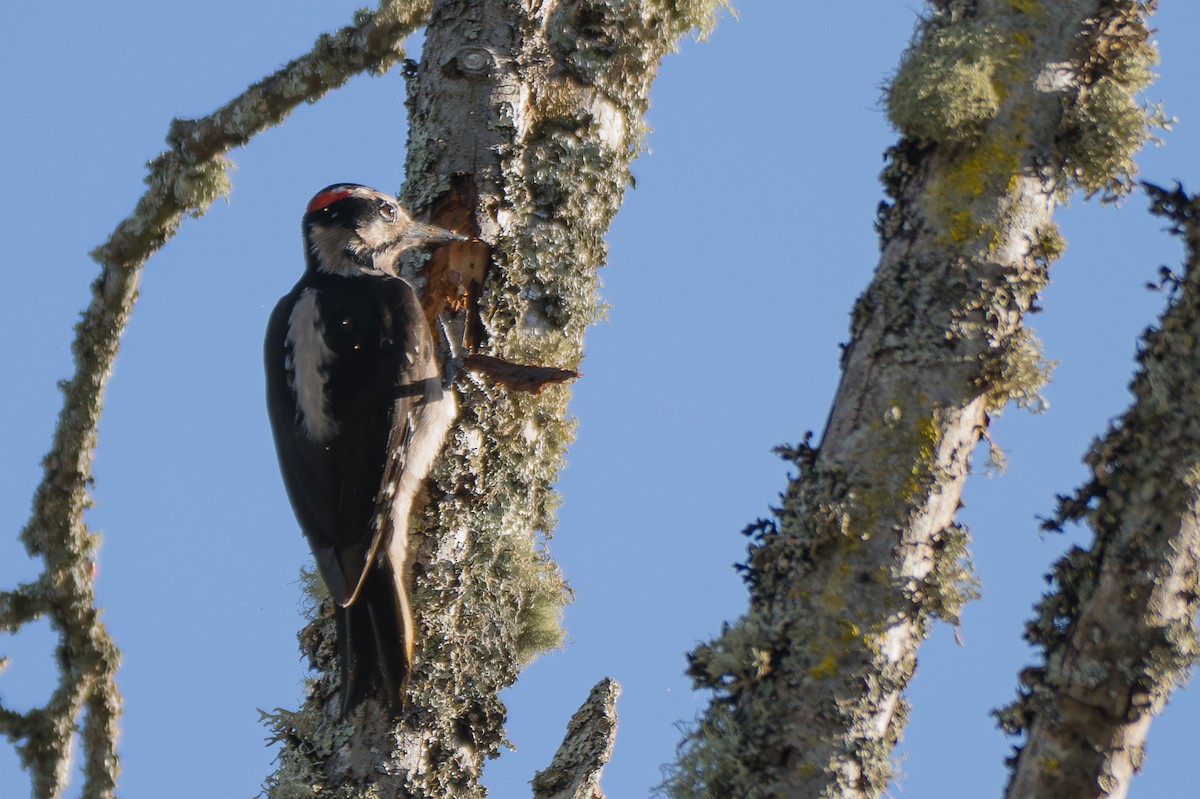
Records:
x=359, y=413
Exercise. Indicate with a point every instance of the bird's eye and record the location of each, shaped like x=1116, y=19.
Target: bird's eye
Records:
x=388, y=212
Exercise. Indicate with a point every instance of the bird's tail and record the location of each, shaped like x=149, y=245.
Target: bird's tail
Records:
x=375, y=641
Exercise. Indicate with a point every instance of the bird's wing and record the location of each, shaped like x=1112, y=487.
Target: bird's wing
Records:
x=356, y=560
x=377, y=358
x=375, y=391
x=307, y=465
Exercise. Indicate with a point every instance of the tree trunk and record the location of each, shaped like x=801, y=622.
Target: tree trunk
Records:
x=525, y=117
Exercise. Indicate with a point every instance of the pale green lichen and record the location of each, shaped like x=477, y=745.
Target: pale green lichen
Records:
x=1048, y=245
x=1101, y=134
x=945, y=89
x=952, y=581
x=1015, y=371
x=716, y=768
x=197, y=187
x=1106, y=125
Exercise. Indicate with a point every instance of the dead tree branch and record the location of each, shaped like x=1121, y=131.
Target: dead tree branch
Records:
x=1003, y=108
x=1117, y=633
x=183, y=180
x=574, y=773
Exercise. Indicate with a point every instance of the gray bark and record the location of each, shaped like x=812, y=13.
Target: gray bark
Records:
x=574, y=773
x=1003, y=108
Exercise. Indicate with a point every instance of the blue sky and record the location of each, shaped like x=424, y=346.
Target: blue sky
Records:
x=741, y=251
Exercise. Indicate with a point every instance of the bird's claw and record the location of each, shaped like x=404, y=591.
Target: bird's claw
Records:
x=453, y=367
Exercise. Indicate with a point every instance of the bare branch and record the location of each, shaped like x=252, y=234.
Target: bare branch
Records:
x=1117, y=632
x=183, y=180
x=574, y=773
x=1003, y=108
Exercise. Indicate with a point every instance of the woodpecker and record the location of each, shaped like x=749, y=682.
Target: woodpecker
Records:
x=359, y=412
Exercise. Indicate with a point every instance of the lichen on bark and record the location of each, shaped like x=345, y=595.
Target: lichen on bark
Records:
x=1116, y=632
x=864, y=552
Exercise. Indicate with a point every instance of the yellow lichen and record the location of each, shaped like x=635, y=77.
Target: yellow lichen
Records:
x=849, y=631
x=988, y=169
x=924, y=443
x=991, y=164
x=825, y=668
x=1025, y=6
x=944, y=90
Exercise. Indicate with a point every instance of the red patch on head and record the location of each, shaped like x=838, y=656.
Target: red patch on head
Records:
x=326, y=198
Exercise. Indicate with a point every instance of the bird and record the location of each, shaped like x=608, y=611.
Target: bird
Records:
x=359, y=409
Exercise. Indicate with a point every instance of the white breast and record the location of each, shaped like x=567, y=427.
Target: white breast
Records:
x=429, y=422
x=308, y=358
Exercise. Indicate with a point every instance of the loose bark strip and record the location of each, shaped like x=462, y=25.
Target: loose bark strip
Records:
x=518, y=377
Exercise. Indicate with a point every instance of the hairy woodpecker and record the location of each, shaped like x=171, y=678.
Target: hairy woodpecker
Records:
x=359, y=412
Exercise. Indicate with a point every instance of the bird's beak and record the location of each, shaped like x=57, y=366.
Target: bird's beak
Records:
x=429, y=235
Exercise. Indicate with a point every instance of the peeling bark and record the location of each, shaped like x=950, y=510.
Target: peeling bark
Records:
x=1117, y=633
x=1003, y=107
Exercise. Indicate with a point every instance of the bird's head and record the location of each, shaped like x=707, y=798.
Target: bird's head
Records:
x=351, y=229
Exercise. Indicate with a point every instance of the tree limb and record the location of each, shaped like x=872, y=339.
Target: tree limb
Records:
x=1117, y=633
x=183, y=180
x=1003, y=107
